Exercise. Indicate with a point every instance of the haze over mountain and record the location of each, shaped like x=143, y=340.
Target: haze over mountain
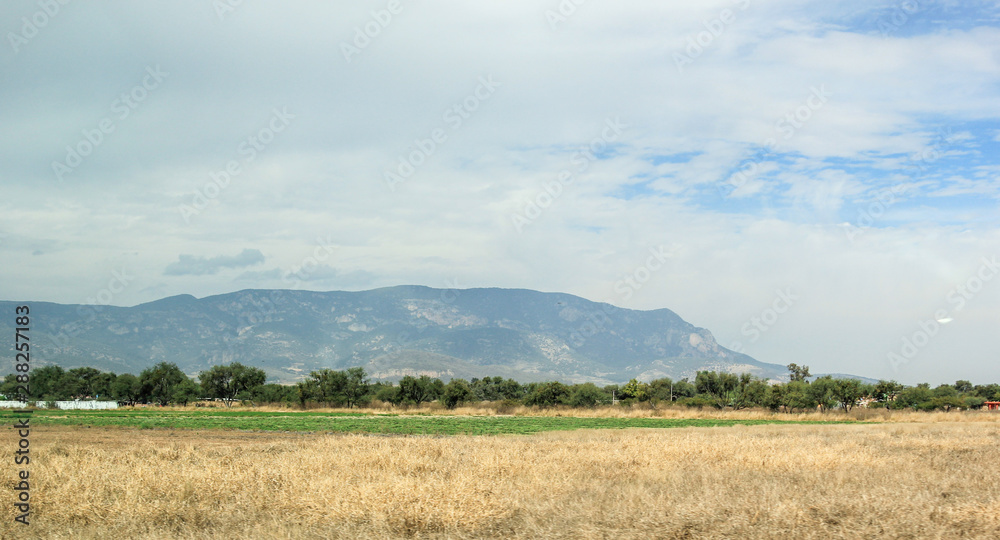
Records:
x=391, y=332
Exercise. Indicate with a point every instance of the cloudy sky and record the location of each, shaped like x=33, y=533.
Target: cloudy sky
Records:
x=814, y=182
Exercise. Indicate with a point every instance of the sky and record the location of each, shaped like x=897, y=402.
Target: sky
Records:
x=813, y=182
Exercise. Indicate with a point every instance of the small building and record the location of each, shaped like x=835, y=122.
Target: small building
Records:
x=992, y=405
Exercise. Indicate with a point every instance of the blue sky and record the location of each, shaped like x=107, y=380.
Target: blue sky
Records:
x=836, y=162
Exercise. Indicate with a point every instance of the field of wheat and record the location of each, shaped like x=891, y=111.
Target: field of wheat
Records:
x=894, y=480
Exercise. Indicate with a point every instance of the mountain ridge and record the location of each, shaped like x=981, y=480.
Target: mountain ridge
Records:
x=391, y=332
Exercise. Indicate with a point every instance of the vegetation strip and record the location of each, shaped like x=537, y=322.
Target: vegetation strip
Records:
x=387, y=424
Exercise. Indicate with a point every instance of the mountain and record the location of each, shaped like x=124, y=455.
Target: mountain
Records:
x=391, y=332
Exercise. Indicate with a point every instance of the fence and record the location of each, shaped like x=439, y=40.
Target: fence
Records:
x=88, y=405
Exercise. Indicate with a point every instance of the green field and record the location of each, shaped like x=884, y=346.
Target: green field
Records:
x=362, y=422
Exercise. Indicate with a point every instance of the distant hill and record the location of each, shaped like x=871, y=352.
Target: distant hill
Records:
x=391, y=332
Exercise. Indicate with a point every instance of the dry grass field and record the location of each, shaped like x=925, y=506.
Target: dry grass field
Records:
x=887, y=480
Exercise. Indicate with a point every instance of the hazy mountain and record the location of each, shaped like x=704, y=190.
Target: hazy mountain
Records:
x=391, y=332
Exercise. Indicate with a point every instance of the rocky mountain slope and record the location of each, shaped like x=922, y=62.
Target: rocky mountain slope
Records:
x=391, y=332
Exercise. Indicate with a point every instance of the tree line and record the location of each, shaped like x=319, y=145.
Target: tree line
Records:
x=166, y=384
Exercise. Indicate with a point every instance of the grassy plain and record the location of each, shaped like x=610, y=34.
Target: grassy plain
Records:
x=903, y=476
x=361, y=422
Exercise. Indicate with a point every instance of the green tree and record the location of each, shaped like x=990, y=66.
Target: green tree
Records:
x=775, y=397
x=661, y=389
x=186, y=391
x=683, y=389
x=126, y=389
x=915, y=397
x=87, y=379
x=846, y=392
x=636, y=390
x=307, y=391
x=944, y=390
x=455, y=392
x=510, y=389
x=356, y=386
x=798, y=373
x=330, y=386
x=415, y=391
x=947, y=402
x=389, y=394
x=886, y=391
x=820, y=392
x=9, y=388
x=158, y=382
x=274, y=393
x=228, y=382
x=797, y=396
x=69, y=386
x=547, y=394
x=45, y=383
x=585, y=395
x=754, y=393
x=101, y=385
x=989, y=392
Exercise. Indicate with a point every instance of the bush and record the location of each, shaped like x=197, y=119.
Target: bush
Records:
x=507, y=406
x=698, y=402
x=585, y=395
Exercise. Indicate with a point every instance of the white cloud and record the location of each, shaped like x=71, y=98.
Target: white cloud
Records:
x=320, y=182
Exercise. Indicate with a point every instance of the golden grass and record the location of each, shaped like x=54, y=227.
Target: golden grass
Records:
x=894, y=480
